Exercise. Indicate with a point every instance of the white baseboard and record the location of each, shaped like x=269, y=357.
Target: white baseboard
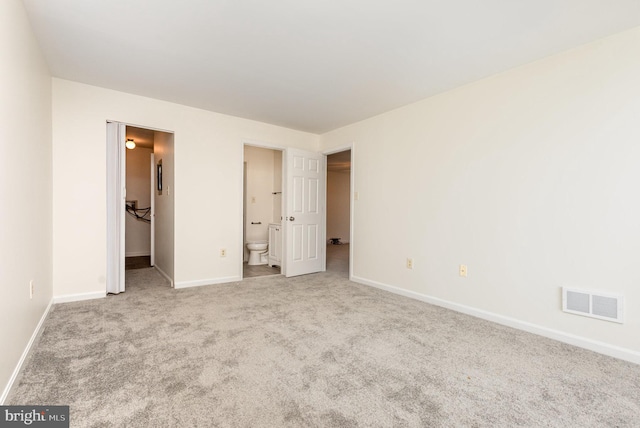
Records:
x=163, y=273
x=137, y=254
x=66, y=298
x=582, y=342
x=25, y=353
x=223, y=280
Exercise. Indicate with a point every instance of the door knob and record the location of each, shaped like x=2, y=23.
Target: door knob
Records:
x=291, y=218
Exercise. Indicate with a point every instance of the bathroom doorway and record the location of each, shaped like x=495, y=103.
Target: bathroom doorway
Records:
x=339, y=179
x=262, y=211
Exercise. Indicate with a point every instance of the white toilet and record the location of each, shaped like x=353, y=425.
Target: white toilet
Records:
x=258, y=252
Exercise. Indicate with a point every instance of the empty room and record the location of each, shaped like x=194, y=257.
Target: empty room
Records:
x=355, y=213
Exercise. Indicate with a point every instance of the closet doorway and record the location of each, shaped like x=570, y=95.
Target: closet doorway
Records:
x=339, y=208
x=140, y=183
x=140, y=202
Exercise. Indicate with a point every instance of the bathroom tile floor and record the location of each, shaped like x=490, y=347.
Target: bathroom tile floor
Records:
x=258, y=270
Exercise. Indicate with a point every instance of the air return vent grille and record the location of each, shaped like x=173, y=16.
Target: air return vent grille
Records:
x=604, y=306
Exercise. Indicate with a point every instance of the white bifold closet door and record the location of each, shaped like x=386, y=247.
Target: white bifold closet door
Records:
x=116, y=199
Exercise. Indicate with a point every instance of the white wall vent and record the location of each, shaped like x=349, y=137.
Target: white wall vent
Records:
x=604, y=306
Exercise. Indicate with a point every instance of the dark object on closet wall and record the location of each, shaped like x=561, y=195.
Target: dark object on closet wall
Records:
x=159, y=175
x=142, y=214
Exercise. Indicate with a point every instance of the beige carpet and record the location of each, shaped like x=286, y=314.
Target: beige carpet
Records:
x=312, y=351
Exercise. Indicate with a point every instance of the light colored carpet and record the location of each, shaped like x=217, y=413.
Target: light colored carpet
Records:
x=338, y=259
x=312, y=351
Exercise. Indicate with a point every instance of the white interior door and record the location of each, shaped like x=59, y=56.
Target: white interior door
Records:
x=116, y=199
x=152, y=214
x=304, y=216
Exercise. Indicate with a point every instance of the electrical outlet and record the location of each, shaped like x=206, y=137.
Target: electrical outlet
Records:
x=463, y=270
x=223, y=252
x=31, y=289
x=356, y=196
x=409, y=263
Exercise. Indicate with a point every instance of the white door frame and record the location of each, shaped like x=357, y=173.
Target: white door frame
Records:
x=352, y=194
x=116, y=200
x=152, y=213
x=262, y=145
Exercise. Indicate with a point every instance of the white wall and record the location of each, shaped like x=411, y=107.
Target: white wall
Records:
x=277, y=186
x=138, y=232
x=338, y=209
x=529, y=177
x=163, y=147
x=25, y=185
x=208, y=182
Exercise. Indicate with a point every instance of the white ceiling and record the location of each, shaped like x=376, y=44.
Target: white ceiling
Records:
x=312, y=65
